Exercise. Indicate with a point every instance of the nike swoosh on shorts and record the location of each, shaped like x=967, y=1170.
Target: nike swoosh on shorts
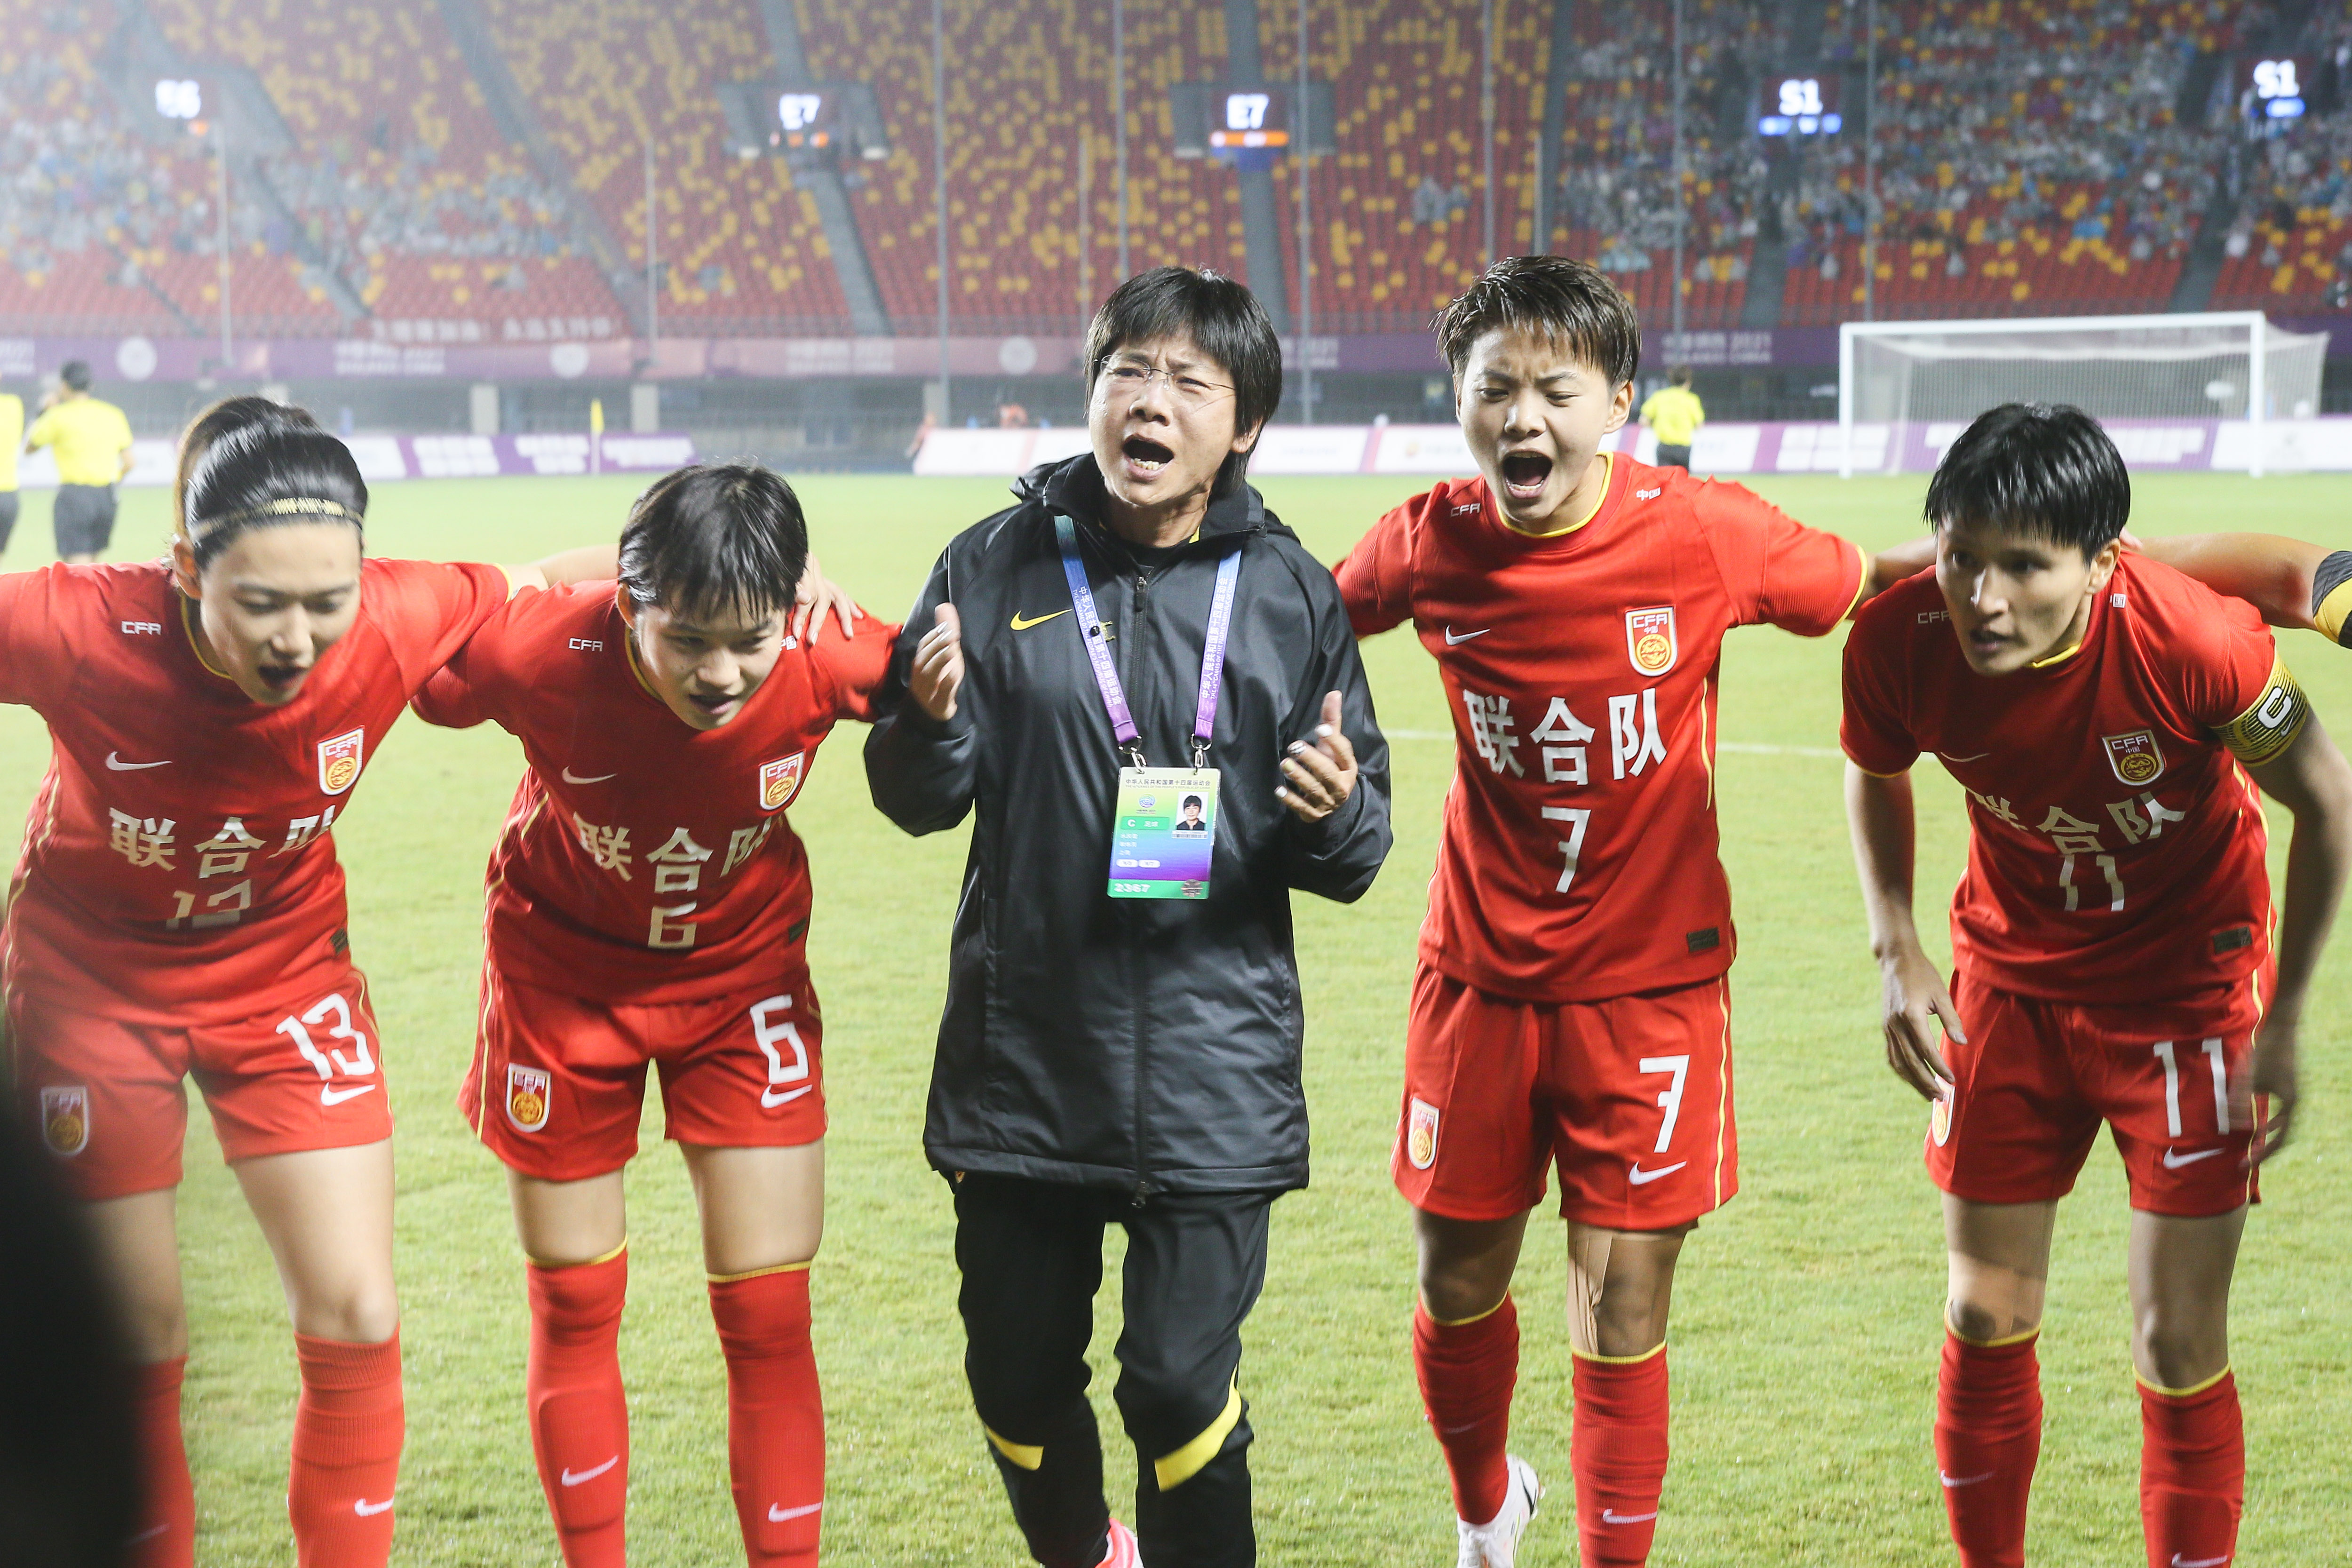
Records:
x=572, y=778
x=2174, y=1160
x=770, y=1098
x=1642, y=1178
x=332, y=1096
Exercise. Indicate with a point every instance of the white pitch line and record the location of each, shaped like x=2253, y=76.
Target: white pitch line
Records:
x=1746, y=748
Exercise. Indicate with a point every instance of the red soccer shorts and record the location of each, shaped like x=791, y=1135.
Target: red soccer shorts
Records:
x=558, y=1084
x=2036, y=1078
x=1630, y=1097
x=109, y=1103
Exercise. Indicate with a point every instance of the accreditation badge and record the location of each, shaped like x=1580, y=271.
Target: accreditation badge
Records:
x=1165, y=834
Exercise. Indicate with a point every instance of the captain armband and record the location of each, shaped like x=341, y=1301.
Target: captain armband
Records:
x=2331, y=596
x=2273, y=724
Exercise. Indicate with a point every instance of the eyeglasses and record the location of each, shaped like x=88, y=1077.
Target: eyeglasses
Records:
x=1189, y=390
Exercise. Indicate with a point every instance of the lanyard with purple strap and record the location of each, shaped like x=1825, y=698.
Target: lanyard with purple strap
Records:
x=1163, y=840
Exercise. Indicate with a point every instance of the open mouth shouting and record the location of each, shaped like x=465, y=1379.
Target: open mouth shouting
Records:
x=1524, y=474
x=1146, y=458
x=714, y=703
x=282, y=677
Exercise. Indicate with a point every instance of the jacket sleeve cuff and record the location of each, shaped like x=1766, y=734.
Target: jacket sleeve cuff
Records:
x=1318, y=836
x=918, y=718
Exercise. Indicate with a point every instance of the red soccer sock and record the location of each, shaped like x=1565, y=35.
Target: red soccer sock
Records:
x=1467, y=1372
x=347, y=1427
x=1988, y=1438
x=167, y=1535
x=2192, y=1474
x=1617, y=1449
x=578, y=1414
x=775, y=1415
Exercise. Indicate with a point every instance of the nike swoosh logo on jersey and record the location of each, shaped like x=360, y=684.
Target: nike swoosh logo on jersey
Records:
x=1022, y=622
x=1642, y=1178
x=2173, y=1160
x=1611, y=1516
x=1452, y=640
x=1979, y=756
x=367, y=1510
x=778, y=1515
x=584, y=1477
x=770, y=1098
x=114, y=760
x=332, y=1096
x=572, y=778
x=1963, y=1480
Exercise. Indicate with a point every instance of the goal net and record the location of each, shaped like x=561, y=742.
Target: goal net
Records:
x=1894, y=377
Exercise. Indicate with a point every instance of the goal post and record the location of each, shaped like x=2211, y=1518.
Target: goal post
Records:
x=2210, y=366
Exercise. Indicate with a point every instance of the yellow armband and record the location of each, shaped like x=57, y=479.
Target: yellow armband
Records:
x=2272, y=723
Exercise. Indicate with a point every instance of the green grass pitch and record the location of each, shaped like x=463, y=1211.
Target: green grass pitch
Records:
x=1806, y=1325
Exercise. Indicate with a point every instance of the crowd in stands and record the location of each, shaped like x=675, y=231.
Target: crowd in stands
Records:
x=2029, y=156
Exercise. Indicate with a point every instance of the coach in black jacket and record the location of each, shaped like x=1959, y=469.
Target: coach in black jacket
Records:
x=1131, y=1062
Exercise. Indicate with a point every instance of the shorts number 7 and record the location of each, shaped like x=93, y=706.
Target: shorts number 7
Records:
x=1669, y=1099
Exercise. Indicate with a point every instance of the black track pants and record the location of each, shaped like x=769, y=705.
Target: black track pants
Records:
x=1031, y=1255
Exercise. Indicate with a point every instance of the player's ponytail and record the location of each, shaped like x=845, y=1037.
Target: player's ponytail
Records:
x=267, y=473
x=228, y=413
x=716, y=538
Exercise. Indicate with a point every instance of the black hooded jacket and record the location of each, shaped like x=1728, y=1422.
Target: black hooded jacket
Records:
x=1151, y=1045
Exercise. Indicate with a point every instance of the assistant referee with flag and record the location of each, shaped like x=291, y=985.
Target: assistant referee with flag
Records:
x=1122, y=1033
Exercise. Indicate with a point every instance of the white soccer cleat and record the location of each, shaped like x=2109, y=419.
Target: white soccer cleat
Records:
x=1496, y=1543
x=1121, y=1551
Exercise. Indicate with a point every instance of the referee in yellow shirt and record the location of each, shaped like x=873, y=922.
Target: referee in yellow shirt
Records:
x=12, y=437
x=1674, y=412
x=93, y=451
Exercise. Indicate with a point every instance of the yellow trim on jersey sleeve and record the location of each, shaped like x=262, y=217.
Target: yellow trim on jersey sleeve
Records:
x=1608, y=474
x=1861, y=582
x=2334, y=611
x=1028, y=1456
x=2274, y=721
x=1658, y=1349
x=1175, y=1469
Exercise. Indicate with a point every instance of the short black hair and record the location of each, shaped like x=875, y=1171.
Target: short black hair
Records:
x=208, y=427
x=1193, y=800
x=75, y=374
x=714, y=539
x=1568, y=302
x=2045, y=468
x=269, y=472
x=1221, y=317
x=1679, y=377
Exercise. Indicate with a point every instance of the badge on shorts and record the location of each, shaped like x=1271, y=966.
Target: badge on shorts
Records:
x=65, y=1120
x=1939, y=1117
x=2134, y=757
x=1420, y=1134
x=781, y=780
x=339, y=761
x=1650, y=639
x=527, y=1098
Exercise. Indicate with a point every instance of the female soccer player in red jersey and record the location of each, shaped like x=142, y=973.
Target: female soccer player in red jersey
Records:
x=178, y=909
x=649, y=903
x=2112, y=943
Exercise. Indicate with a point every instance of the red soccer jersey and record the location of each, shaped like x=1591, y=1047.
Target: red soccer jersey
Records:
x=644, y=861
x=2114, y=848
x=177, y=867
x=1579, y=855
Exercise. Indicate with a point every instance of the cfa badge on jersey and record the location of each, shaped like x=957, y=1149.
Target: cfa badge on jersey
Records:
x=781, y=780
x=2134, y=757
x=65, y=1120
x=1650, y=639
x=339, y=760
x=1165, y=834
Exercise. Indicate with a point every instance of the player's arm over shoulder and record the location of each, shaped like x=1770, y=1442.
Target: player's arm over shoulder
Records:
x=1376, y=578
x=1777, y=571
x=853, y=670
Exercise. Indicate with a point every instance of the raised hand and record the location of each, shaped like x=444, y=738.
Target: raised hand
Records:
x=938, y=666
x=1318, y=777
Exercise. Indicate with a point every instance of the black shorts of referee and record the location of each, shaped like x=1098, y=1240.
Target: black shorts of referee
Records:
x=1674, y=457
x=84, y=519
x=7, y=517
